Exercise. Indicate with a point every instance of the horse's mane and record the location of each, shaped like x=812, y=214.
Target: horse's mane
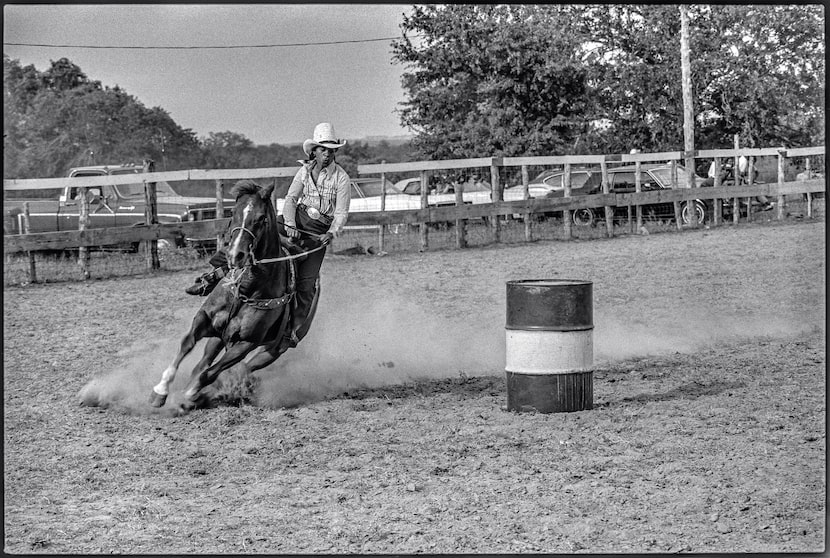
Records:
x=244, y=187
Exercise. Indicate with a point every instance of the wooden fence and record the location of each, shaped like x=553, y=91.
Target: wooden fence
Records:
x=459, y=213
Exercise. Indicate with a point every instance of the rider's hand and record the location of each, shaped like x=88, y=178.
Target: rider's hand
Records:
x=325, y=238
x=292, y=232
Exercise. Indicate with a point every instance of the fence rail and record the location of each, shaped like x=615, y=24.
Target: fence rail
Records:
x=459, y=213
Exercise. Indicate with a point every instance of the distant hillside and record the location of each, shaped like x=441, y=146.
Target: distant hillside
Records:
x=368, y=140
x=391, y=140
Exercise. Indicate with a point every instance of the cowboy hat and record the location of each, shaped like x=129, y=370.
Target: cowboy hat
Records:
x=323, y=136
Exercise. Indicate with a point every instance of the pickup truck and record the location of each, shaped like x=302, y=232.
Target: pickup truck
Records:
x=119, y=205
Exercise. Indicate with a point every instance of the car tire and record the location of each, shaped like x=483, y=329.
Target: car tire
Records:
x=583, y=217
x=699, y=209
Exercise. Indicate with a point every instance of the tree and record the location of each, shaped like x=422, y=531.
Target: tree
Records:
x=530, y=80
x=491, y=80
x=59, y=118
x=761, y=74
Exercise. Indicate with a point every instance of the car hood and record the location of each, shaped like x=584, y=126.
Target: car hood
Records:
x=192, y=201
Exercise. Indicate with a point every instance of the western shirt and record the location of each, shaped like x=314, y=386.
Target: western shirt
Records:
x=331, y=195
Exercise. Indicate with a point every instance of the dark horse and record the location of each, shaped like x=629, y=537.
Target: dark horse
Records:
x=252, y=305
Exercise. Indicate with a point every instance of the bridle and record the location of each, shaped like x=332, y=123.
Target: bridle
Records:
x=255, y=262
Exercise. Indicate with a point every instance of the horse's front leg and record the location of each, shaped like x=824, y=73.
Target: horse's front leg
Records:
x=200, y=326
x=200, y=379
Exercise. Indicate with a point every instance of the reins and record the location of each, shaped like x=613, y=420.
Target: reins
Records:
x=273, y=303
x=255, y=261
x=286, y=258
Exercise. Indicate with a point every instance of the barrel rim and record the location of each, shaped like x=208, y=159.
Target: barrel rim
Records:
x=549, y=282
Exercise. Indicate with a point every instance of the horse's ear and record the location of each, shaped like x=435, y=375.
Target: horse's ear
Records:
x=267, y=191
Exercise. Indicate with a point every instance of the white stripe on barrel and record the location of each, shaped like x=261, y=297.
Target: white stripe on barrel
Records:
x=549, y=353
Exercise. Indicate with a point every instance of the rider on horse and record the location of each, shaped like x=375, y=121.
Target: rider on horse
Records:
x=316, y=208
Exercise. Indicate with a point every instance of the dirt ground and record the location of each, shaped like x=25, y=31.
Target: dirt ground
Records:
x=385, y=431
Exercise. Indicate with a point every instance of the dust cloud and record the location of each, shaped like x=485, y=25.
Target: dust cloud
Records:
x=361, y=341
x=127, y=386
x=617, y=338
x=357, y=341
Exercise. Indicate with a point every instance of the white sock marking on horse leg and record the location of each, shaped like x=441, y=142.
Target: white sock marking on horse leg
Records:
x=162, y=388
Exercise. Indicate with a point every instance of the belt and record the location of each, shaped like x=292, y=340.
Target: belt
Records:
x=321, y=216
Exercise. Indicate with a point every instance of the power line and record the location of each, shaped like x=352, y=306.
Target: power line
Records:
x=41, y=45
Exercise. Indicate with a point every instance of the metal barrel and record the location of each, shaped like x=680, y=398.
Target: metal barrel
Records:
x=549, y=345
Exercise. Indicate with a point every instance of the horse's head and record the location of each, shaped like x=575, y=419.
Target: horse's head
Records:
x=253, y=225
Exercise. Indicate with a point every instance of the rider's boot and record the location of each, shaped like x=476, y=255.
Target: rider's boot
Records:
x=205, y=283
x=298, y=318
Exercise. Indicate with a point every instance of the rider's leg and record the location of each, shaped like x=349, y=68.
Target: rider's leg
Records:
x=206, y=282
x=308, y=271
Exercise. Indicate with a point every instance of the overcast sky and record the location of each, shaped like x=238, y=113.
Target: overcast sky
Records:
x=270, y=95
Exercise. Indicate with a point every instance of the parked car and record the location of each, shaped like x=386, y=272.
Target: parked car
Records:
x=366, y=195
x=622, y=180
x=474, y=192
x=548, y=182
x=115, y=205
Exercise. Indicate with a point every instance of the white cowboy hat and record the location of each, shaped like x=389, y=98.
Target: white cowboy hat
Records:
x=324, y=136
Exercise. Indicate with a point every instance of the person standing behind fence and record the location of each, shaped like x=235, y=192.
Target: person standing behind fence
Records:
x=740, y=178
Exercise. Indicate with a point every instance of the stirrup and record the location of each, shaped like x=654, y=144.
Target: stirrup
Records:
x=205, y=284
x=289, y=340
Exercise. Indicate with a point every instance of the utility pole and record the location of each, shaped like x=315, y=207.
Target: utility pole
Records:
x=688, y=111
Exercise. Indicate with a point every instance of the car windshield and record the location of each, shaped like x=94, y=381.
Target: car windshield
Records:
x=578, y=180
x=372, y=189
x=664, y=175
x=136, y=190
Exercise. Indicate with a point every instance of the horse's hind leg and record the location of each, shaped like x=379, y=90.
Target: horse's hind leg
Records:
x=198, y=329
x=266, y=357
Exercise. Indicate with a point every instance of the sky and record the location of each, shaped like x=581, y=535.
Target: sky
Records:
x=269, y=95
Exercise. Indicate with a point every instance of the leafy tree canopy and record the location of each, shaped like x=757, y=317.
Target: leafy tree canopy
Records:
x=488, y=80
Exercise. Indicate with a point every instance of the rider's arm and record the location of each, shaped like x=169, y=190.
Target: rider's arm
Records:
x=343, y=198
x=292, y=198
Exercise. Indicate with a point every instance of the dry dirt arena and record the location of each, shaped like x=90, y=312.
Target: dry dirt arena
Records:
x=386, y=430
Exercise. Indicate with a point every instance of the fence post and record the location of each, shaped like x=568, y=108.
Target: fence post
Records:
x=151, y=217
x=609, y=211
x=460, y=224
x=381, y=229
x=736, y=175
x=638, y=187
x=529, y=214
x=780, y=209
x=496, y=196
x=27, y=230
x=83, y=224
x=689, y=167
x=424, y=202
x=678, y=218
x=717, y=207
x=566, y=214
x=750, y=179
x=220, y=211
x=809, y=195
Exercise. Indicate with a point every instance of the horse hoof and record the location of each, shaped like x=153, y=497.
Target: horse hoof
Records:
x=186, y=406
x=157, y=400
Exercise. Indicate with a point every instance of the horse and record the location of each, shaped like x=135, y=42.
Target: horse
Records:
x=250, y=308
